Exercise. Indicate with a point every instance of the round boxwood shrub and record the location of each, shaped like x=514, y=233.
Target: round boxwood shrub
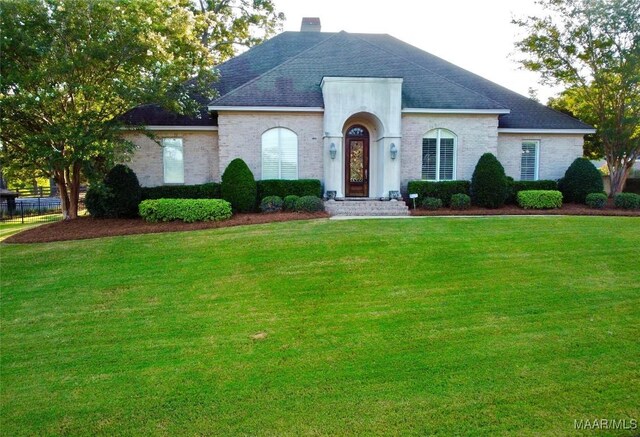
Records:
x=271, y=204
x=627, y=200
x=125, y=192
x=309, y=204
x=580, y=179
x=540, y=199
x=290, y=202
x=239, y=187
x=596, y=200
x=460, y=201
x=431, y=203
x=489, y=183
x=98, y=200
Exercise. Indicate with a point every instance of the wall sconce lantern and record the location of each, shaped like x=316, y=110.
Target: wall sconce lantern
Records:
x=393, y=150
x=332, y=151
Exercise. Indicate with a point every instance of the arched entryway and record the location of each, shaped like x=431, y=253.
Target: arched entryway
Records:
x=356, y=149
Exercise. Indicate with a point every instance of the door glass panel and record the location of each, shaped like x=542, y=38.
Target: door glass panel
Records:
x=356, y=161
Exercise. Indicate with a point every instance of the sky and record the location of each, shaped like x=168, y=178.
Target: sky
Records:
x=474, y=34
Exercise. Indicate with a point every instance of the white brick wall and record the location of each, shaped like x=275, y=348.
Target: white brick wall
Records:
x=241, y=137
x=200, y=157
x=477, y=134
x=557, y=152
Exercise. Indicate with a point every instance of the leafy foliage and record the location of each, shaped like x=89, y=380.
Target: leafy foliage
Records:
x=627, y=200
x=596, y=200
x=514, y=187
x=71, y=69
x=632, y=186
x=580, y=179
x=210, y=190
x=460, y=201
x=117, y=196
x=289, y=203
x=540, y=199
x=443, y=190
x=431, y=203
x=239, y=187
x=489, y=182
x=286, y=187
x=271, y=204
x=309, y=204
x=187, y=210
x=592, y=48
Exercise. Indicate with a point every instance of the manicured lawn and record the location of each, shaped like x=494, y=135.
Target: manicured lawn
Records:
x=451, y=326
x=8, y=229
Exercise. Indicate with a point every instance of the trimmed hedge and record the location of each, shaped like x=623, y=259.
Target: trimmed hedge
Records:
x=187, y=210
x=580, y=179
x=271, y=204
x=540, y=199
x=210, y=190
x=460, y=201
x=117, y=196
x=309, y=204
x=596, y=200
x=627, y=200
x=442, y=190
x=514, y=187
x=432, y=203
x=289, y=203
x=238, y=186
x=286, y=187
x=632, y=186
x=489, y=183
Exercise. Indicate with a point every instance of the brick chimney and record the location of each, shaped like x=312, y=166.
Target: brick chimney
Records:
x=310, y=24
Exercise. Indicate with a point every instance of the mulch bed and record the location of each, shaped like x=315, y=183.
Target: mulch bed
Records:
x=86, y=227
x=567, y=209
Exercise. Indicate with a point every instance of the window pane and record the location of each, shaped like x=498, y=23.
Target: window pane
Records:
x=429, y=158
x=279, y=154
x=173, y=161
x=446, y=159
x=270, y=155
x=528, y=162
x=288, y=155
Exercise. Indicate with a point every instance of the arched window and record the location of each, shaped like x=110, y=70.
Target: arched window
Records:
x=279, y=154
x=439, y=155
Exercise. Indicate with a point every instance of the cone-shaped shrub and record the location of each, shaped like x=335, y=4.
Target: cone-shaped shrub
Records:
x=239, y=186
x=581, y=178
x=489, y=183
x=125, y=190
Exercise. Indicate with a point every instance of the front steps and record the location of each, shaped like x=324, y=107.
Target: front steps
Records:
x=366, y=207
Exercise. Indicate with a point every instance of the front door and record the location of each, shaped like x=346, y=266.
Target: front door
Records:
x=357, y=162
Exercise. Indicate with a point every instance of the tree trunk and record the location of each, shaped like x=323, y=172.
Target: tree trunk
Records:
x=69, y=190
x=619, y=172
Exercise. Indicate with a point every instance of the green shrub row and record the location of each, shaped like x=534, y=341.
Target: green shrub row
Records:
x=187, y=210
x=210, y=190
x=627, y=200
x=442, y=190
x=514, y=187
x=540, y=199
x=284, y=188
x=632, y=186
x=596, y=200
x=291, y=203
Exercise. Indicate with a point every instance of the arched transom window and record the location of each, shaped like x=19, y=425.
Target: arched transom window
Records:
x=279, y=154
x=439, y=155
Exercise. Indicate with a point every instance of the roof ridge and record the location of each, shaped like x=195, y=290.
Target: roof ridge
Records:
x=426, y=69
x=255, y=79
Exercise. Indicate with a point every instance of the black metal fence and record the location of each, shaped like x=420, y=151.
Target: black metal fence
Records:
x=33, y=206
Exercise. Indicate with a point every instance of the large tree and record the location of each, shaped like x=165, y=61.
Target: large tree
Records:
x=592, y=48
x=71, y=68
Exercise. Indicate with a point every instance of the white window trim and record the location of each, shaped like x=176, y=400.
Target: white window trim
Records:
x=536, y=170
x=280, y=153
x=455, y=155
x=164, y=168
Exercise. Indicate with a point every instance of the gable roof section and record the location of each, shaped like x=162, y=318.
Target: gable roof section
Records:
x=296, y=82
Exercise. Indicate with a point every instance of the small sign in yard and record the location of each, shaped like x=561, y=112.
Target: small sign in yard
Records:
x=413, y=196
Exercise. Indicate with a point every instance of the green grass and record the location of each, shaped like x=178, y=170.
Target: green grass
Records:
x=427, y=326
x=8, y=229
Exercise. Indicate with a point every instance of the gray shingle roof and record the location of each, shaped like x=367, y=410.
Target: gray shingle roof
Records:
x=287, y=71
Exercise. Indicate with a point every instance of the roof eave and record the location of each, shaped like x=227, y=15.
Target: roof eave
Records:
x=525, y=130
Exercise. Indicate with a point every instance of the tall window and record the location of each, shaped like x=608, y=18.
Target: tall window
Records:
x=279, y=154
x=439, y=155
x=529, y=161
x=173, y=159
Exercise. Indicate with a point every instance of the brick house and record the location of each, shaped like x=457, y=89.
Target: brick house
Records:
x=364, y=113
